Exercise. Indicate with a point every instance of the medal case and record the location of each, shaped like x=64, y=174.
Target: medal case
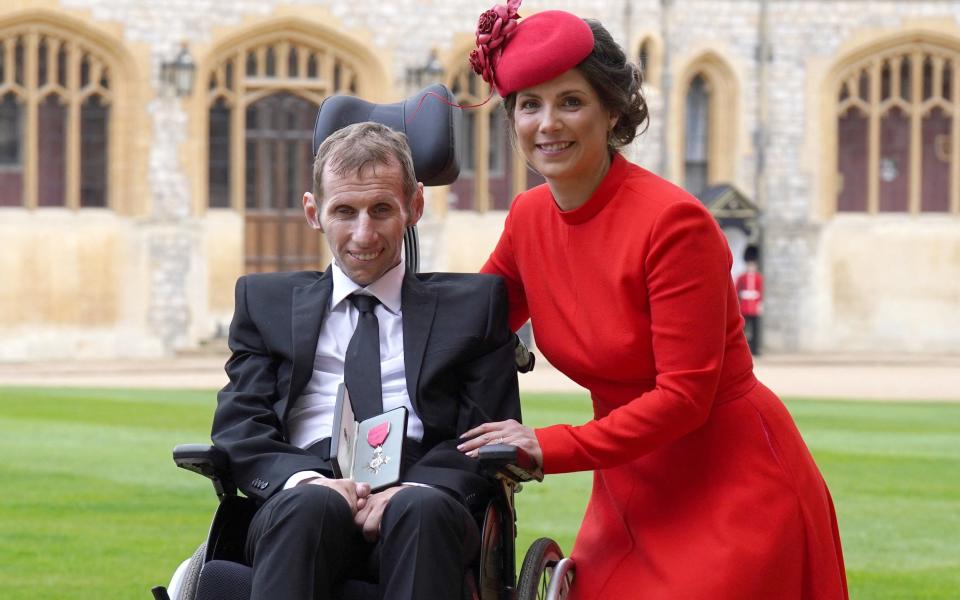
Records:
x=368, y=450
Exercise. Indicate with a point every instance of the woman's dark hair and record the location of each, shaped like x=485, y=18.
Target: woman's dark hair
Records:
x=617, y=83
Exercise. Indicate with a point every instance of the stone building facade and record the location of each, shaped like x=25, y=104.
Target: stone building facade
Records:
x=840, y=120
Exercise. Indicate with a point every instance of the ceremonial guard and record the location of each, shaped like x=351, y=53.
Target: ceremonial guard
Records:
x=750, y=292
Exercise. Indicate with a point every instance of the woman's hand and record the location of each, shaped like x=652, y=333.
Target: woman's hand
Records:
x=502, y=432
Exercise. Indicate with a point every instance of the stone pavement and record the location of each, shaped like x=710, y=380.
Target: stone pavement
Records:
x=874, y=377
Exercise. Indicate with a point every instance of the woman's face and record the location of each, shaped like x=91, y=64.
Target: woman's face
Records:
x=562, y=128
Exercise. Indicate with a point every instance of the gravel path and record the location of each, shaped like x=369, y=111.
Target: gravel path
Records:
x=881, y=377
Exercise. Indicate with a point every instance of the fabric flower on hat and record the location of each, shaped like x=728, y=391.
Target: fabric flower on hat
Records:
x=487, y=19
x=494, y=27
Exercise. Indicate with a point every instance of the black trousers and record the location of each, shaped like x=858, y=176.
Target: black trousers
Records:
x=303, y=543
x=751, y=329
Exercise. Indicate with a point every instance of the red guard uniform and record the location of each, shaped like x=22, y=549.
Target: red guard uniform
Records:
x=750, y=292
x=702, y=486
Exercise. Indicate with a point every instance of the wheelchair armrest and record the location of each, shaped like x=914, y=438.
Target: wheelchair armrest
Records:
x=209, y=461
x=204, y=459
x=524, y=358
x=510, y=461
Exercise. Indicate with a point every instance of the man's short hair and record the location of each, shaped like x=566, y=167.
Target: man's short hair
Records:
x=362, y=145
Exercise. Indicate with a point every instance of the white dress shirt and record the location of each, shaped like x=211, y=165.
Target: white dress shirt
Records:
x=311, y=417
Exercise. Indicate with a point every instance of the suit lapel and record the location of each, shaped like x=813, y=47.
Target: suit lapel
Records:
x=419, y=306
x=310, y=305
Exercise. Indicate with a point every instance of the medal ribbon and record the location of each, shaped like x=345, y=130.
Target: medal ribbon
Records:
x=378, y=435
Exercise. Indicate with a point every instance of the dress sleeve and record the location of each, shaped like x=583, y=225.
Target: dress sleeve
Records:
x=686, y=269
x=503, y=262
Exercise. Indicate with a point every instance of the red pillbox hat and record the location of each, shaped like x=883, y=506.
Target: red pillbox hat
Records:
x=512, y=55
x=542, y=47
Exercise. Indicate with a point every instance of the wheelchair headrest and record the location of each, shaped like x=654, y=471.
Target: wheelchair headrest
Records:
x=429, y=128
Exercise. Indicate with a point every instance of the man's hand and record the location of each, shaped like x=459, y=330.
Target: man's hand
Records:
x=356, y=494
x=368, y=518
x=502, y=432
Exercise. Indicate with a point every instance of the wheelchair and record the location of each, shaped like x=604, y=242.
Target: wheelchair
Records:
x=216, y=571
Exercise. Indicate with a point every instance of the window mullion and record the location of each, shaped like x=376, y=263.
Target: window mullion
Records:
x=937, y=89
x=896, y=66
x=916, y=132
x=715, y=137
x=303, y=57
x=325, y=71
x=261, y=54
x=238, y=135
x=73, y=127
x=32, y=137
x=955, y=139
x=481, y=161
x=51, y=61
x=9, y=60
x=873, y=165
x=73, y=153
x=283, y=60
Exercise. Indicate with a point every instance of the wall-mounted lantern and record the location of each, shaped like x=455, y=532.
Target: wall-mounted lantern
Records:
x=430, y=72
x=177, y=75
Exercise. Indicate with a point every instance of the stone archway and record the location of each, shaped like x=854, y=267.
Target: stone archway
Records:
x=263, y=88
x=890, y=115
x=723, y=96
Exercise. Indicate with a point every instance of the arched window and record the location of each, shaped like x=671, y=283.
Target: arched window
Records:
x=703, y=136
x=897, y=131
x=643, y=56
x=696, y=143
x=55, y=117
x=649, y=57
x=491, y=171
x=262, y=100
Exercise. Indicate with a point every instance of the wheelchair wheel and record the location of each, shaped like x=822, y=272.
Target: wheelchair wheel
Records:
x=186, y=587
x=545, y=574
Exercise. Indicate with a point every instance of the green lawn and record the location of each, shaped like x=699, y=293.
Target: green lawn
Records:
x=94, y=507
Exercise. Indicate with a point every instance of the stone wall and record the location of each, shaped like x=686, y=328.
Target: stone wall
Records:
x=74, y=285
x=807, y=38
x=167, y=267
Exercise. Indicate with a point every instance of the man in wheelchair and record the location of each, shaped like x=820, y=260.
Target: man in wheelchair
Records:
x=441, y=348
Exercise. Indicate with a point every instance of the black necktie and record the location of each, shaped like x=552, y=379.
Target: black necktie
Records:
x=361, y=366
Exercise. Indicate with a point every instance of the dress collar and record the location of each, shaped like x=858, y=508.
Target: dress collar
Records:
x=386, y=289
x=600, y=197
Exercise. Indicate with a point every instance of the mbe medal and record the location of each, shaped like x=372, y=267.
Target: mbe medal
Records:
x=376, y=437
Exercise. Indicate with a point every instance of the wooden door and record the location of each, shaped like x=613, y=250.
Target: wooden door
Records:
x=279, y=165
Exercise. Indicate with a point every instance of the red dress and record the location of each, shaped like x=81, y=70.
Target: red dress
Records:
x=702, y=486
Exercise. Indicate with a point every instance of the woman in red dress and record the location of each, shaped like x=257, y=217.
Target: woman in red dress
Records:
x=702, y=486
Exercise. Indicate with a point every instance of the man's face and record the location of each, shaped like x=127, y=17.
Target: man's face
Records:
x=364, y=216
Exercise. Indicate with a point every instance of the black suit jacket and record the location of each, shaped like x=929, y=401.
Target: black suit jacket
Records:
x=458, y=355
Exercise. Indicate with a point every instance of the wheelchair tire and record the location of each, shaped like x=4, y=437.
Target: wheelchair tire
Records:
x=538, y=569
x=191, y=576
